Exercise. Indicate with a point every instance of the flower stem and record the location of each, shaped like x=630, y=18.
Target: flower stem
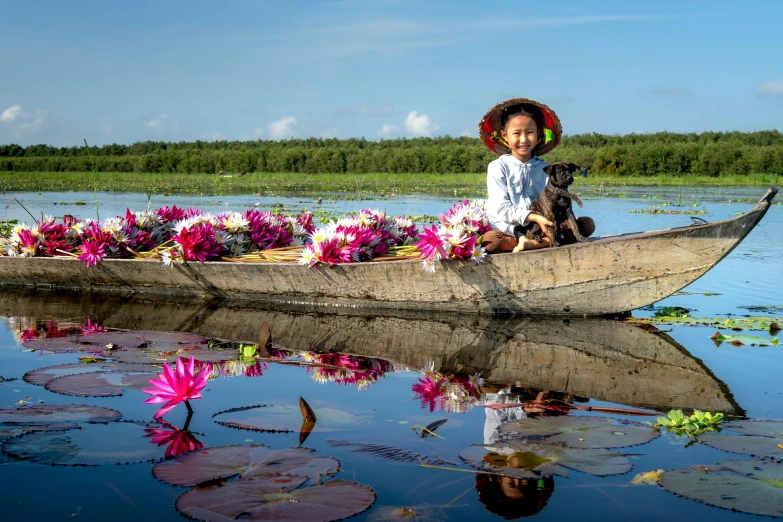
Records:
x=190, y=410
x=190, y=416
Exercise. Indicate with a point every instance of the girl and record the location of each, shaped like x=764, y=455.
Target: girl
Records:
x=518, y=130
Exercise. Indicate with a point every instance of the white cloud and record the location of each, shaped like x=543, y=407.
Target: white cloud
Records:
x=106, y=129
x=258, y=132
x=420, y=124
x=771, y=88
x=282, y=128
x=21, y=123
x=387, y=131
x=156, y=122
x=161, y=123
x=467, y=133
x=11, y=113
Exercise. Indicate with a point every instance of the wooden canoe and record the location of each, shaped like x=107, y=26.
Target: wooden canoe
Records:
x=602, y=276
x=594, y=358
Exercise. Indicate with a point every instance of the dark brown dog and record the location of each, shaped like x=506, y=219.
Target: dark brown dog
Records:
x=554, y=203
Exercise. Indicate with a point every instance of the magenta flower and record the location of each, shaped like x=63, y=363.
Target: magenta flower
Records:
x=429, y=391
x=175, y=386
x=198, y=242
x=92, y=328
x=177, y=441
x=431, y=244
x=92, y=252
x=169, y=215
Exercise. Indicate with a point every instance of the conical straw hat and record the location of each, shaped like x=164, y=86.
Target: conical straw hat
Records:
x=489, y=127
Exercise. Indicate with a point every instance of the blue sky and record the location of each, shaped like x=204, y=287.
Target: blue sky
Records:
x=170, y=70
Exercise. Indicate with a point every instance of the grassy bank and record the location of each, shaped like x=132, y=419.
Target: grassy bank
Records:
x=277, y=183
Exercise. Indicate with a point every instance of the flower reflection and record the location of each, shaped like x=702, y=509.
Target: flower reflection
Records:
x=233, y=368
x=177, y=441
x=449, y=393
x=347, y=369
x=27, y=329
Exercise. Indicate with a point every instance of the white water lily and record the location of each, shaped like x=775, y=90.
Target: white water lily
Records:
x=308, y=257
x=429, y=265
x=236, y=223
x=478, y=254
x=112, y=225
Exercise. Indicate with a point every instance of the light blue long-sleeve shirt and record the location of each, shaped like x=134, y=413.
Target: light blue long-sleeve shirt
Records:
x=512, y=186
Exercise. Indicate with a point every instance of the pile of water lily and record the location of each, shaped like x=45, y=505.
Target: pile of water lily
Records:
x=175, y=235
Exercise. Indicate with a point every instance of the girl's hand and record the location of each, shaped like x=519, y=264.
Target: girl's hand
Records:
x=541, y=220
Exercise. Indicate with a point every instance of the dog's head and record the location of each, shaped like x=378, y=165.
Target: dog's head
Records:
x=561, y=174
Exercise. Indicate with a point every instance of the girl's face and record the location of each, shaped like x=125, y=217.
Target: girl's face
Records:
x=521, y=134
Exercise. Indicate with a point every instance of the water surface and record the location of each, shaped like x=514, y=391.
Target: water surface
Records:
x=586, y=362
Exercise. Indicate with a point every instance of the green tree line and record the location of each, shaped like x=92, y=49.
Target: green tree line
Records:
x=665, y=153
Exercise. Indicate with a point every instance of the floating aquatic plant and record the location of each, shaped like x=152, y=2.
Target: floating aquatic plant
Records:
x=270, y=499
x=285, y=418
x=580, y=432
x=244, y=462
x=749, y=486
x=119, y=442
x=689, y=425
x=177, y=385
x=761, y=438
x=523, y=459
x=102, y=383
x=43, y=414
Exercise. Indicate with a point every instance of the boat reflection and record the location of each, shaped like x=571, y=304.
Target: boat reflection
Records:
x=593, y=358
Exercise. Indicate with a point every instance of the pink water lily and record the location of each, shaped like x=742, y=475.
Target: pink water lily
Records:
x=177, y=385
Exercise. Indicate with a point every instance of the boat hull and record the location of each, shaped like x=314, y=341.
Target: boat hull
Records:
x=602, y=276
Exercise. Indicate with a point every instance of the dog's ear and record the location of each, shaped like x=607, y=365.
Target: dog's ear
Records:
x=573, y=167
x=549, y=168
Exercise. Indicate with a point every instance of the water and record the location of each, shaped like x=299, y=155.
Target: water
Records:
x=594, y=362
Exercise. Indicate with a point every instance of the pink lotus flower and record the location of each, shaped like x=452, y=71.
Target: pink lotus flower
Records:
x=92, y=252
x=198, y=242
x=431, y=244
x=175, y=386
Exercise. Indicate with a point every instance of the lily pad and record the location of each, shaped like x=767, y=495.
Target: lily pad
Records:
x=79, y=343
x=129, y=339
x=146, y=339
x=285, y=418
x=114, y=443
x=101, y=384
x=224, y=462
x=750, y=486
x=256, y=500
x=43, y=375
x=581, y=432
x=758, y=438
x=51, y=414
x=522, y=459
x=158, y=355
